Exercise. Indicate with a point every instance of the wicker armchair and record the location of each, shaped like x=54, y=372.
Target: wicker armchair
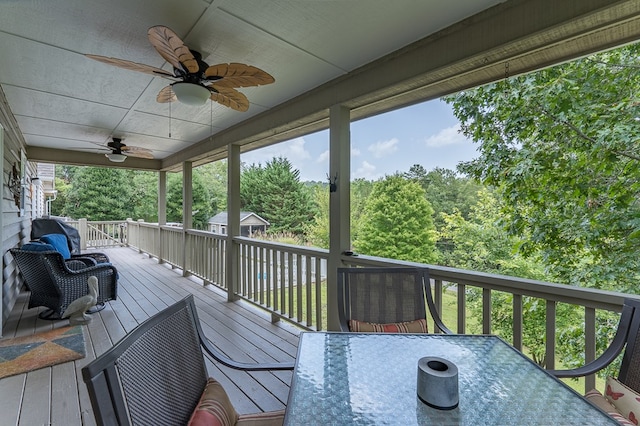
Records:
x=156, y=375
x=55, y=283
x=385, y=296
x=44, y=226
x=627, y=338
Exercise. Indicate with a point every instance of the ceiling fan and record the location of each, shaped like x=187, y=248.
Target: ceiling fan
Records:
x=120, y=151
x=194, y=80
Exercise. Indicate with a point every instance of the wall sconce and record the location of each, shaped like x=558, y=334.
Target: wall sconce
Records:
x=15, y=184
x=333, y=186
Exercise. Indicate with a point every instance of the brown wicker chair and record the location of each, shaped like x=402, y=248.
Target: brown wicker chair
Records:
x=385, y=295
x=627, y=338
x=55, y=283
x=156, y=374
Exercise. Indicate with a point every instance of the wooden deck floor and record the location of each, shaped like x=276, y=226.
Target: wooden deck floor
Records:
x=58, y=396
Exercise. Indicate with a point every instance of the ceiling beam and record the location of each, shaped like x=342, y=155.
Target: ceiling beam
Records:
x=77, y=158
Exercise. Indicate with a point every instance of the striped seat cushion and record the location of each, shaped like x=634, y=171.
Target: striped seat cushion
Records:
x=214, y=407
x=415, y=326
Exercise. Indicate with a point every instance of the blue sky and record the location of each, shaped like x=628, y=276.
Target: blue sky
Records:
x=425, y=134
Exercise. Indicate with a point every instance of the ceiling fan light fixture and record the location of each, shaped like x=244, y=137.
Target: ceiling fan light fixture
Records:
x=191, y=93
x=116, y=158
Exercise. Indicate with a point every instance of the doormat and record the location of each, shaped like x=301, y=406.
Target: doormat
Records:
x=24, y=354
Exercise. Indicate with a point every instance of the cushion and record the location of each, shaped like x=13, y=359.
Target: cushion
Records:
x=415, y=326
x=270, y=418
x=603, y=403
x=214, y=407
x=626, y=401
x=37, y=246
x=59, y=241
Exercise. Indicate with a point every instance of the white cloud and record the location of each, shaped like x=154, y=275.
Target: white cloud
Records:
x=366, y=171
x=383, y=148
x=446, y=137
x=293, y=150
x=355, y=152
x=323, y=158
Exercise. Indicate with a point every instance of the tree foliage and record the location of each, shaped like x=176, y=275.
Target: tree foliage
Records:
x=397, y=222
x=99, y=194
x=203, y=206
x=274, y=191
x=562, y=147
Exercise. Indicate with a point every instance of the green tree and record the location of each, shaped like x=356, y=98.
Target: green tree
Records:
x=318, y=229
x=99, y=193
x=144, y=195
x=203, y=204
x=481, y=244
x=397, y=222
x=561, y=146
x=214, y=178
x=446, y=191
x=276, y=193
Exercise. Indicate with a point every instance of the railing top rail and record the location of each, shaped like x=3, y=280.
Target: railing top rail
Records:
x=593, y=298
x=206, y=234
x=309, y=251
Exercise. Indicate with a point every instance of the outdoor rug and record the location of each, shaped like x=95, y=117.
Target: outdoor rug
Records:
x=24, y=354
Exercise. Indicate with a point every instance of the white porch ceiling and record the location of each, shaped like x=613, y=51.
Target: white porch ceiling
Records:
x=356, y=52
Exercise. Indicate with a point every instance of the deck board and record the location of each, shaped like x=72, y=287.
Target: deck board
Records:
x=57, y=395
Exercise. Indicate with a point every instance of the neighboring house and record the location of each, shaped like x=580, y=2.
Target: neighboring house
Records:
x=250, y=223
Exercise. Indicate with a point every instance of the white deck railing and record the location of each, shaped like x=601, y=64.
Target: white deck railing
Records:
x=290, y=282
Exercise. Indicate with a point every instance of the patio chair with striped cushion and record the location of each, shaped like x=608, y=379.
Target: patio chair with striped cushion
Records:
x=387, y=299
x=156, y=375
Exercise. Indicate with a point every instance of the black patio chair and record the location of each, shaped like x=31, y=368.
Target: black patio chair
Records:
x=55, y=283
x=45, y=226
x=380, y=296
x=156, y=374
x=627, y=338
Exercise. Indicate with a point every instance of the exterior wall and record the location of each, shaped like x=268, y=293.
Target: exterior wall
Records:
x=15, y=221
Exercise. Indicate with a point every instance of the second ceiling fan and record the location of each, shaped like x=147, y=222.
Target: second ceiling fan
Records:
x=195, y=81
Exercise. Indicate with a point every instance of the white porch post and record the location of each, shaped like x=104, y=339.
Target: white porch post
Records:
x=162, y=211
x=187, y=217
x=2, y=233
x=233, y=221
x=339, y=204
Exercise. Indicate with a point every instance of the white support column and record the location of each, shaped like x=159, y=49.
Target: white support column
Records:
x=2, y=236
x=162, y=198
x=187, y=195
x=187, y=209
x=82, y=230
x=233, y=220
x=162, y=211
x=339, y=204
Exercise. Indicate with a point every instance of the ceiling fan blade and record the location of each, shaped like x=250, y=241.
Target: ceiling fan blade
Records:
x=132, y=66
x=237, y=75
x=166, y=95
x=229, y=97
x=136, y=151
x=172, y=49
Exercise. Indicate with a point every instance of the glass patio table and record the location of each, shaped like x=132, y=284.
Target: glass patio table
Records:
x=366, y=379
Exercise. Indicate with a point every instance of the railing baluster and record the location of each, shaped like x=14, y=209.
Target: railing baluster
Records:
x=462, y=308
x=550, y=347
x=517, y=321
x=318, y=292
x=589, y=345
x=308, y=286
x=292, y=312
x=486, y=311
